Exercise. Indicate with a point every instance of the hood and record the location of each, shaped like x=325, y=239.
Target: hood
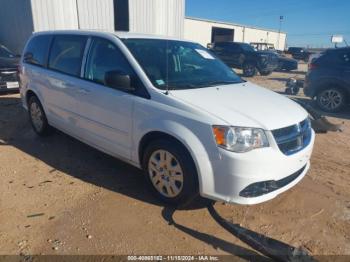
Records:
x=9, y=63
x=245, y=104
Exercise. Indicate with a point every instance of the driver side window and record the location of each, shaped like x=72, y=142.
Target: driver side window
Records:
x=105, y=57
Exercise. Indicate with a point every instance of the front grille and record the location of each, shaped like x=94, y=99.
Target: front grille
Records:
x=9, y=75
x=265, y=187
x=293, y=139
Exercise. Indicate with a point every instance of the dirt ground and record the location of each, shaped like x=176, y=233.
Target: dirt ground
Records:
x=59, y=196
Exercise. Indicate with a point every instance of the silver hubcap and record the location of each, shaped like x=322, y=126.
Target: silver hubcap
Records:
x=331, y=99
x=165, y=173
x=37, y=116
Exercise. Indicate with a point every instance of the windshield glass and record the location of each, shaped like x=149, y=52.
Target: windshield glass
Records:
x=247, y=47
x=180, y=65
x=4, y=52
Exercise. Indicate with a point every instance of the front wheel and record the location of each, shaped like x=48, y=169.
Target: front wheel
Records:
x=331, y=100
x=249, y=70
x=170, y=172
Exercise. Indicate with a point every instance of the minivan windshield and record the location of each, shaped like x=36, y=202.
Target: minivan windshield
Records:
x=175, y=65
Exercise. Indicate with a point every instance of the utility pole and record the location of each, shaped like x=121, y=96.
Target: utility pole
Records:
x=279, y=31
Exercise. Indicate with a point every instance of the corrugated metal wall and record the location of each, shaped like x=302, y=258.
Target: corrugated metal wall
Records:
x=16, y=23
x=161, y=17
x=54, y=15
x=96, y=14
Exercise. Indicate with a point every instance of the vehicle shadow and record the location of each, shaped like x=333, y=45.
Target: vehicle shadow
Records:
x=269, y=247
x=213, y=241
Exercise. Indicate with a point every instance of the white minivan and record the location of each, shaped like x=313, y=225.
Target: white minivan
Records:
x=169, y=107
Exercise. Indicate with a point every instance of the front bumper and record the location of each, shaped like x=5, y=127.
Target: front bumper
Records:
x=235, y=175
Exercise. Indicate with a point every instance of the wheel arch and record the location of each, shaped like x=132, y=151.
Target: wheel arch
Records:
x=190, y=142
x=29, y=93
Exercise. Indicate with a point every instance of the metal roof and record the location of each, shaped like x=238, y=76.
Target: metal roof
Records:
x=233, y=24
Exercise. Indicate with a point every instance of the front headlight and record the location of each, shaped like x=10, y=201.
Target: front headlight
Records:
x=240, y=139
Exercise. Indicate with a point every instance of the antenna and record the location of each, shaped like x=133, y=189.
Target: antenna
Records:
x=167, y=67
x=166, y=52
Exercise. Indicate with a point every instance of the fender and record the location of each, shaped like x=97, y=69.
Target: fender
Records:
x=194, y=146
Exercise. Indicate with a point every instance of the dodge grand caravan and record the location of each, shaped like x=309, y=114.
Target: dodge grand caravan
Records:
x=169, y=107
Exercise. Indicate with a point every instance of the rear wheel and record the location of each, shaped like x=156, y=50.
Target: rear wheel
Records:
x=170, y=172
x=331, y=99
x=249, y=69
x=37, y=117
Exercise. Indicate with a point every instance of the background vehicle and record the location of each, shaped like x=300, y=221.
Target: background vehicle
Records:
x=285, y=63
x=299, y=53
x=243, y=56
x=328, y=79
x=8, y=70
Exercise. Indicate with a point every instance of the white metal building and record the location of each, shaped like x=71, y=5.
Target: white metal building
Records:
x=19, y=18
x=207, y=31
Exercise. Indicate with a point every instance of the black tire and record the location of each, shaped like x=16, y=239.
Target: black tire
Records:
x=44, y=128
x=249, y=69
x=189, y=190
x=292, y=90
x=331, y=99
x=265, y=73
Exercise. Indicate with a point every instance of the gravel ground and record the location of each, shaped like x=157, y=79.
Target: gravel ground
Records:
x=59, y=196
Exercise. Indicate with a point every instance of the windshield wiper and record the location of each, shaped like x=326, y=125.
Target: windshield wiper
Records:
x=216, y=83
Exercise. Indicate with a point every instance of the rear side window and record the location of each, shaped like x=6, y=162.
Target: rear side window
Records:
x=67, y=53
x=37, y=49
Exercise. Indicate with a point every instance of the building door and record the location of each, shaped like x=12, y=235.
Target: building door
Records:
x=222, y=35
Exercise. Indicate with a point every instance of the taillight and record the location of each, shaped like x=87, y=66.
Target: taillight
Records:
x=312, y=66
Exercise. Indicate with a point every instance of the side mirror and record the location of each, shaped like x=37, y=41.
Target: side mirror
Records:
x=28, y=57
x=118, y=80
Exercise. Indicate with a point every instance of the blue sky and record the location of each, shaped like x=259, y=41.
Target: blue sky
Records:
x=307, y=22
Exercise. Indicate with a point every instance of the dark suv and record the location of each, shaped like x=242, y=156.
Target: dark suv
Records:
x=299, y=53
x=328, y=79
x=243, y=56
x=8, y=70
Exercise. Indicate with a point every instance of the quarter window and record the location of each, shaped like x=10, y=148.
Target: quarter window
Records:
x=37, y=49
x=67, y=53
x=105, y=57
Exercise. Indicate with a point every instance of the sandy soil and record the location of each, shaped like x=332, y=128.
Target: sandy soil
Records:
x=59, y=196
